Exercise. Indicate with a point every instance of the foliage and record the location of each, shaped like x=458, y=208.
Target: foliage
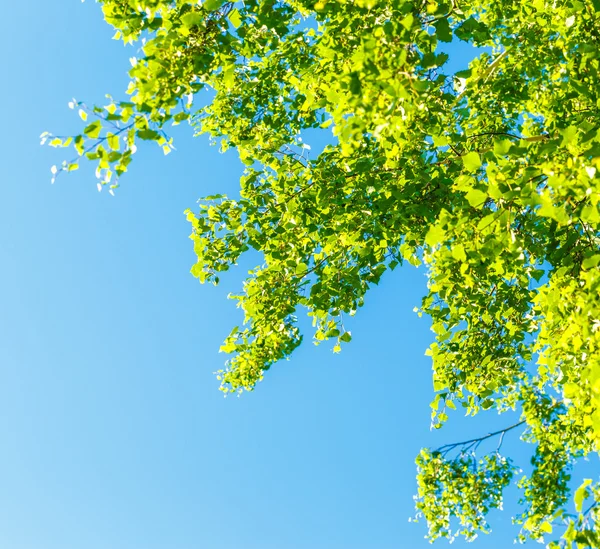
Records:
x=487, y=176
x=463, y=487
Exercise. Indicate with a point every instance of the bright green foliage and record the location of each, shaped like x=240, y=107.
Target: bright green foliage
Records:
x=488, y=177
x=463, y=487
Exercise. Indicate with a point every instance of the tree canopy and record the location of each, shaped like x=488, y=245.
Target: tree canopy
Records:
x=488, y=177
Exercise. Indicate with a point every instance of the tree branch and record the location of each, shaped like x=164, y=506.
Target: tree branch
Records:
x=476, y=441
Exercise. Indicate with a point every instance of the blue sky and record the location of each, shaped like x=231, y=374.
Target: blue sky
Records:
x=114, y=432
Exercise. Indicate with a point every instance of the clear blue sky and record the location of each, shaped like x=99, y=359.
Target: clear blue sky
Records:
x=114, y=434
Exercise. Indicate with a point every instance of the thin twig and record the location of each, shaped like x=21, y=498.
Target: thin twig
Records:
x=477, y=441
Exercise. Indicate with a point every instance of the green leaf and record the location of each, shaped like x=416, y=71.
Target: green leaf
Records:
x=235, y=18
x=471, y=161
x=79, y=144
x=443, y=30
x=591, y=261
x=148, y=135
x=435, y=236
x=192, y=19
x=581, y=494
x=113, y=141
x=463, y=74
x=476, y=198
x=212, y=5
x=301, y=268
x=458, y=252
x=93, y=129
